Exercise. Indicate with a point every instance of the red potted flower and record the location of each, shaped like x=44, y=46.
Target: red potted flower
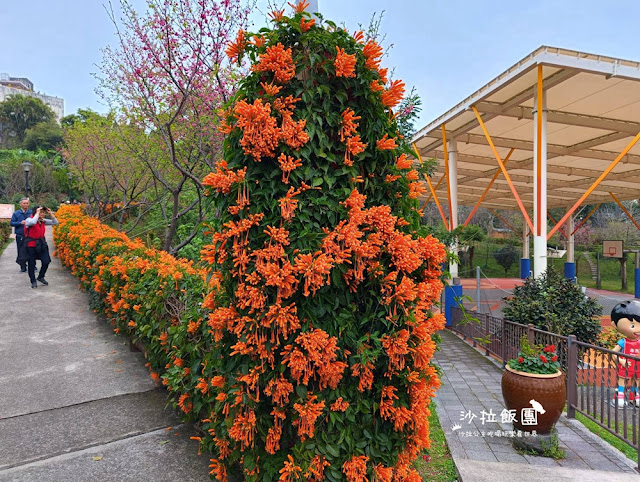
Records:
x=534, y=387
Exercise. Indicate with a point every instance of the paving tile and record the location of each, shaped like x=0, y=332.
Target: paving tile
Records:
x=485, y=456
x=541, y=461
x=508, y=457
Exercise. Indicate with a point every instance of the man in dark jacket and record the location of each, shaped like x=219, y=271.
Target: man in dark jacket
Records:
x=17, y=221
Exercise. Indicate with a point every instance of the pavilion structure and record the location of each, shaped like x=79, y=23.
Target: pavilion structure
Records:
x=560, y=128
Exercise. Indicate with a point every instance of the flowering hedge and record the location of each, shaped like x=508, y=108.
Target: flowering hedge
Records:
x=146, y=294
x=321, y=276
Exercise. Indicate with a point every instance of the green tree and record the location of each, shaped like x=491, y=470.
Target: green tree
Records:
x=18, y=113
x=44, y=135
x=469, y=236
x=506, y=256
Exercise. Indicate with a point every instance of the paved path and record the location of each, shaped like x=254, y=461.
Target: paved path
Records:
x=75, y=403
x=471, y=382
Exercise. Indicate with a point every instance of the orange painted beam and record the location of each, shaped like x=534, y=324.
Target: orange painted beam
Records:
x=539, y=153
x=505, y=222
x=585, y=219
x=525, y=215
x=562, y=230
x=495, y=176
x=624, y=210
x=446, y=169
x=613, y=164
x=433, y=191
x=437, y=186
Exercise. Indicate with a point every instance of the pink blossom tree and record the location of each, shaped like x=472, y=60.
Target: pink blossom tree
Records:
x=169, y=76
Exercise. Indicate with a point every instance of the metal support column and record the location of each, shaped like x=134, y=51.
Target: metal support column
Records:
x=525, y=261
x=570, y=265
x=540, y=179
x=453, y=209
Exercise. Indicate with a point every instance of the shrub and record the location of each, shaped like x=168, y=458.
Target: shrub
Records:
x=556, y=304
x=146, y=294
x=5, y=232
x=320, y=361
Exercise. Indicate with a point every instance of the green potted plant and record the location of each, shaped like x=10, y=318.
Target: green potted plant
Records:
x=534, y=387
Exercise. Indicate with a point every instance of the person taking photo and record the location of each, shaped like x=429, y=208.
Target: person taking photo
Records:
x=18, y=219
x=36, y=244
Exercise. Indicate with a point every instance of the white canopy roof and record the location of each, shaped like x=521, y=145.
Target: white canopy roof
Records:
x=593, y=112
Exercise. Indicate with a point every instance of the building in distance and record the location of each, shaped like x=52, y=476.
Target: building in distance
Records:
x=23, y=86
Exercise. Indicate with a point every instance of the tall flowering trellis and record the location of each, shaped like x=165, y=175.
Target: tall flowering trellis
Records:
x=321, y=277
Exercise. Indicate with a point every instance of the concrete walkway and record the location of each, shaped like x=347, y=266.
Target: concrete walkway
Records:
x=471, y=384
x=75, y=403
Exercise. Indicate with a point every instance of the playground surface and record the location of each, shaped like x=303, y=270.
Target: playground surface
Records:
x=493, y=292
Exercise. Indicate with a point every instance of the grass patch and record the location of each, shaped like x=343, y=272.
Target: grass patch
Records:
x=436, y=463
x=623, y=447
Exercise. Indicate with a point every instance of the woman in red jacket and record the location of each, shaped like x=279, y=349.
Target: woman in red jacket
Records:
x=36, y=244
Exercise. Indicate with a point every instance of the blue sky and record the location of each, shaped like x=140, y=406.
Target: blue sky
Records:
x=447, y=49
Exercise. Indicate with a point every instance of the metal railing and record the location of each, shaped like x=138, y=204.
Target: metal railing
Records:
x=501, y=337
x=593, y=377
x=592, y=372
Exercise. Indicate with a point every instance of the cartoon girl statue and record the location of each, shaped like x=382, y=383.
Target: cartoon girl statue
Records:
x=626, y=318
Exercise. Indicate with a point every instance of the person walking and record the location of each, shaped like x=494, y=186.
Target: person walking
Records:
x=36, y=244
x=18, y=219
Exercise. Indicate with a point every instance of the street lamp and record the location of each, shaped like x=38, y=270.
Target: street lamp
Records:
x=26, y=165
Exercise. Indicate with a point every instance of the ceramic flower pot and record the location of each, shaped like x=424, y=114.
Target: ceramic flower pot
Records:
x=535, y=398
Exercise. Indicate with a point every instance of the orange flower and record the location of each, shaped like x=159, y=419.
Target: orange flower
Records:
x=308, y=413
x=290, y=471
x=396, y=348
x=218, y=471
x=384, y=474
x=376, y=86
x=412, y=175
x=385, y=144
x=315, y=472
x=359, y=37
x=389, y=178
x=356, y=469
x=364, y=375
x=288, y=204
x=300, y=6
x=287, y=164
x=259, y=41
x=243, y=429
x=354, y=147
x=339, y=405
x=184, y=404
x=277, y=15
x=393, y=96
x=349, y=125
x=306, y=25
x=271, y=89
x=202, y=385
x=193, y=326
x=223, y=178
x=315, y=270
x=386, y=402
x=279, y=390
x=416, y=189
x=403, y=162
x=260, y=131
x=278, y=60
x=345, y=64
x=217, y=381
x=373, y=52
x=132, y=324
x=235, y=49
